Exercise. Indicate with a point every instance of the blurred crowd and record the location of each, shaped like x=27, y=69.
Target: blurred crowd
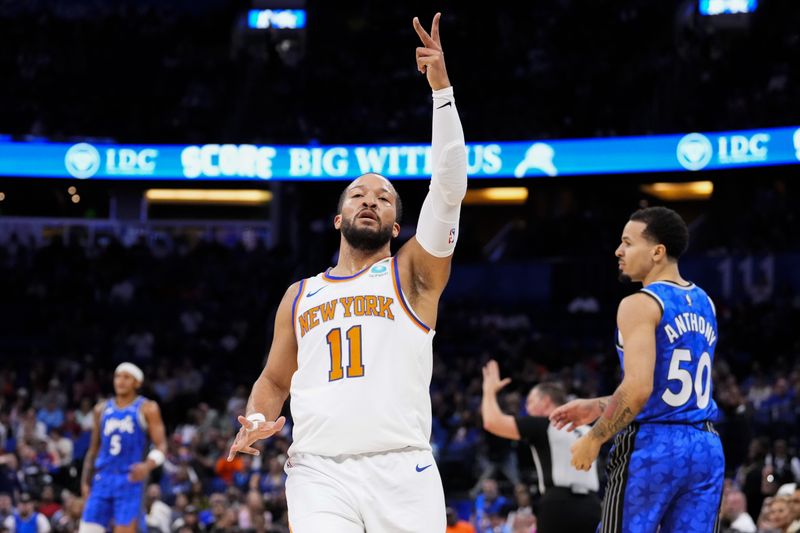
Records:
x=186, y=72
x=196, y=316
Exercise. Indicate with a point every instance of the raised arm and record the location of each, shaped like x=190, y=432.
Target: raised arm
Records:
x=495, y=421
x=427, y=256
x=272, y=387
x=637, y=318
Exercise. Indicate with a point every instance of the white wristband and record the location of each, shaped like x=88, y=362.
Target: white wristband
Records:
x=257, y=419
x=157, y=456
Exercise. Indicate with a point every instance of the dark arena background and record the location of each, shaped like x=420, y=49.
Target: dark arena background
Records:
x=168, y=168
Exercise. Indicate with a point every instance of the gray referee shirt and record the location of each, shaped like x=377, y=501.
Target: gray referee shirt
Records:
x=552, y=455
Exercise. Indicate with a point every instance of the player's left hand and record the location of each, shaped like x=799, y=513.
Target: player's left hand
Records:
x=430, y=57
x=139, y=472
x=250, y=432
x=584, y=452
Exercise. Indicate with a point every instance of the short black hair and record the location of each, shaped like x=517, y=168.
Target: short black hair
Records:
x=554, y=391
x=664, y=226
x=398, y=201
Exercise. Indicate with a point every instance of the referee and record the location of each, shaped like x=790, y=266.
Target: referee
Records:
x=569, y=499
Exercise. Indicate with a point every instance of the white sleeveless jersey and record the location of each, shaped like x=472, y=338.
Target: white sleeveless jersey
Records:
x=364, y=363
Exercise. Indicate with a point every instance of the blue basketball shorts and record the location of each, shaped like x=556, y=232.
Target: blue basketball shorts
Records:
x=113, y=496
x=664, y=475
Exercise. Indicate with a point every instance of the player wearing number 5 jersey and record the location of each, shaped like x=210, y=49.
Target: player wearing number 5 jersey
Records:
x=117, y=464
x=353, y=348
x=666, y=467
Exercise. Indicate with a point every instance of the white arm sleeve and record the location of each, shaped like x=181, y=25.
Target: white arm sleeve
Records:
x=437, y=229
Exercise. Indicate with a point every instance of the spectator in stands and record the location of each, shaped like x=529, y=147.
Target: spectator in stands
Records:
x=5, y=427
x=158, y=514
x=85, y=414
x=9, y=481
x=784, y=466
x=178, y=479
x=179, y=507
x=455, y=524
x=60, y=448
x=496, y=521
x=51, y=415
x=226, y=522
x=795, y=506
x=216, y=510
x=524, y=522
x=272, y=480
x=781, y=408
x=26, y=518
x=780, y=514
x=48, y=505
x=68, y=519
x=30, y=429
x=750, y=474
x=188, y=522
x=6, y=507
x=523, y=512
x=488, y=501
x=252, y=515
x=734, y=516
x=224, y=469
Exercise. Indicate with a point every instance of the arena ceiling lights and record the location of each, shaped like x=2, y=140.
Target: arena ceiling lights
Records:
x=208, y=196
x=497, y=196
x=676, y=192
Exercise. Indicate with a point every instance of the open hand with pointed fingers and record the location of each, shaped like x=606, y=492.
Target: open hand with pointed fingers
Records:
x=491, y=378
x=576, y=413
x=250, y=432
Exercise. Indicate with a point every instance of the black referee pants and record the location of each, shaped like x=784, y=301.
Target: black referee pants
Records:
x=561, y=511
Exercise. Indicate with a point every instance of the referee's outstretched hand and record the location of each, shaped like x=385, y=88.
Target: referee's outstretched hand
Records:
x=491, y=378
x=576, y=413
x=251, y=432
x=430, y=57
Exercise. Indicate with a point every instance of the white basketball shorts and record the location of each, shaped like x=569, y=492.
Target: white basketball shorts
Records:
x=397, y=491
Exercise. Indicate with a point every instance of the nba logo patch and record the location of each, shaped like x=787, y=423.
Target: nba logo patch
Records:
x=452, y=237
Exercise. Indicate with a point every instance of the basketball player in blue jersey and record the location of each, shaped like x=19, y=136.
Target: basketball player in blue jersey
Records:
x=353, y=347
x=118, y=463
x=666, y=466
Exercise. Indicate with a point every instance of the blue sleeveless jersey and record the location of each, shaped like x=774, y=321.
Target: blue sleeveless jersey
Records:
x=27, y=525
x=686, y=338
x=123, y=437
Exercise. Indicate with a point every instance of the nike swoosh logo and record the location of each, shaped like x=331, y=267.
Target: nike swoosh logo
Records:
x=310, y=294
x=445, y=105
x=420, y=469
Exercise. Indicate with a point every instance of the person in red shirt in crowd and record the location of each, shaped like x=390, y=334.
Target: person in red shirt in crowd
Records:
x=48, y=505
x=456, y=525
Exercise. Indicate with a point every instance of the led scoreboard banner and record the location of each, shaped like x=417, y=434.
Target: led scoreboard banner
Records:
x=522, y=159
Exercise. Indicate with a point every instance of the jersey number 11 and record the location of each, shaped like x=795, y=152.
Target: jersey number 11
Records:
x=355, y=369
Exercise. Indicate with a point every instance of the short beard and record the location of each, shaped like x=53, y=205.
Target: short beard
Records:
x=366, y=239
x=624, y=278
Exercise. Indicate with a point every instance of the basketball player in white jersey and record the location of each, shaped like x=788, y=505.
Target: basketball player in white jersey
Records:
x=352, y=346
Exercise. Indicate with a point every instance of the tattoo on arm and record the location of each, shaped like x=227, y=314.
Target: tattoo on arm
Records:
x=603, y=404
x=617, y=414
